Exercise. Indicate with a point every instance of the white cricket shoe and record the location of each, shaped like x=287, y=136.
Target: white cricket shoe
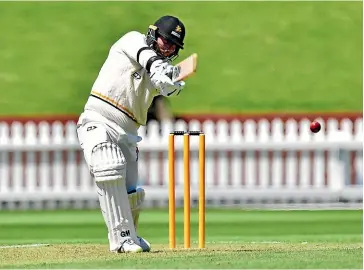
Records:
x=130, y=246
x=144, y=244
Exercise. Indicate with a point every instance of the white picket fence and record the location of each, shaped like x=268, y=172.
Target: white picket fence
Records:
x=247, y=163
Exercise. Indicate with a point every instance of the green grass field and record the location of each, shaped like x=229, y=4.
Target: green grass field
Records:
x=234, y=239
x=254, y=56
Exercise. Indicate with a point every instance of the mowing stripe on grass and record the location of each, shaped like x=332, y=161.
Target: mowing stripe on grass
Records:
x=25, y=246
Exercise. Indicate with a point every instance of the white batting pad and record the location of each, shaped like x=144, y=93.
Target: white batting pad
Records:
x=116, y=211
x=136, y=200
x=107, y=162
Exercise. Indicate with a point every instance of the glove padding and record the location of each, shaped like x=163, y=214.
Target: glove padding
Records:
x=162, y=75
x=166, y=86
x=172, y=72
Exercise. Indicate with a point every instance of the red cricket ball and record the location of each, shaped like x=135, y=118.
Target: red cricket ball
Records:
x=315, y=126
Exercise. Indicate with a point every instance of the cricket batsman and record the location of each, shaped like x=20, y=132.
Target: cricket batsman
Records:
x=137, y=69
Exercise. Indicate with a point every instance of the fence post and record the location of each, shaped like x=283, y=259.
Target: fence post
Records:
x=336, y=168
x=263, y=136
x=4, y=159
x=17, y=139
x=31, y=166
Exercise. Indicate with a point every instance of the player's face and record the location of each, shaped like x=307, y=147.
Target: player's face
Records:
x=165, y=47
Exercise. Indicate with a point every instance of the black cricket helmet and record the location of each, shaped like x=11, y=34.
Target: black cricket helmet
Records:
x=170, y=28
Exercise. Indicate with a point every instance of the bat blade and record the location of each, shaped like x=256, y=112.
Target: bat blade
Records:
x=187, y=67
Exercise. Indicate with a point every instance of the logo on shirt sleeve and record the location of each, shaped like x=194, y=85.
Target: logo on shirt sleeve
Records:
x=136, y=75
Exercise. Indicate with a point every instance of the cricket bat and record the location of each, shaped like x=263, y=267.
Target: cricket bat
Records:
x=187, y=68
